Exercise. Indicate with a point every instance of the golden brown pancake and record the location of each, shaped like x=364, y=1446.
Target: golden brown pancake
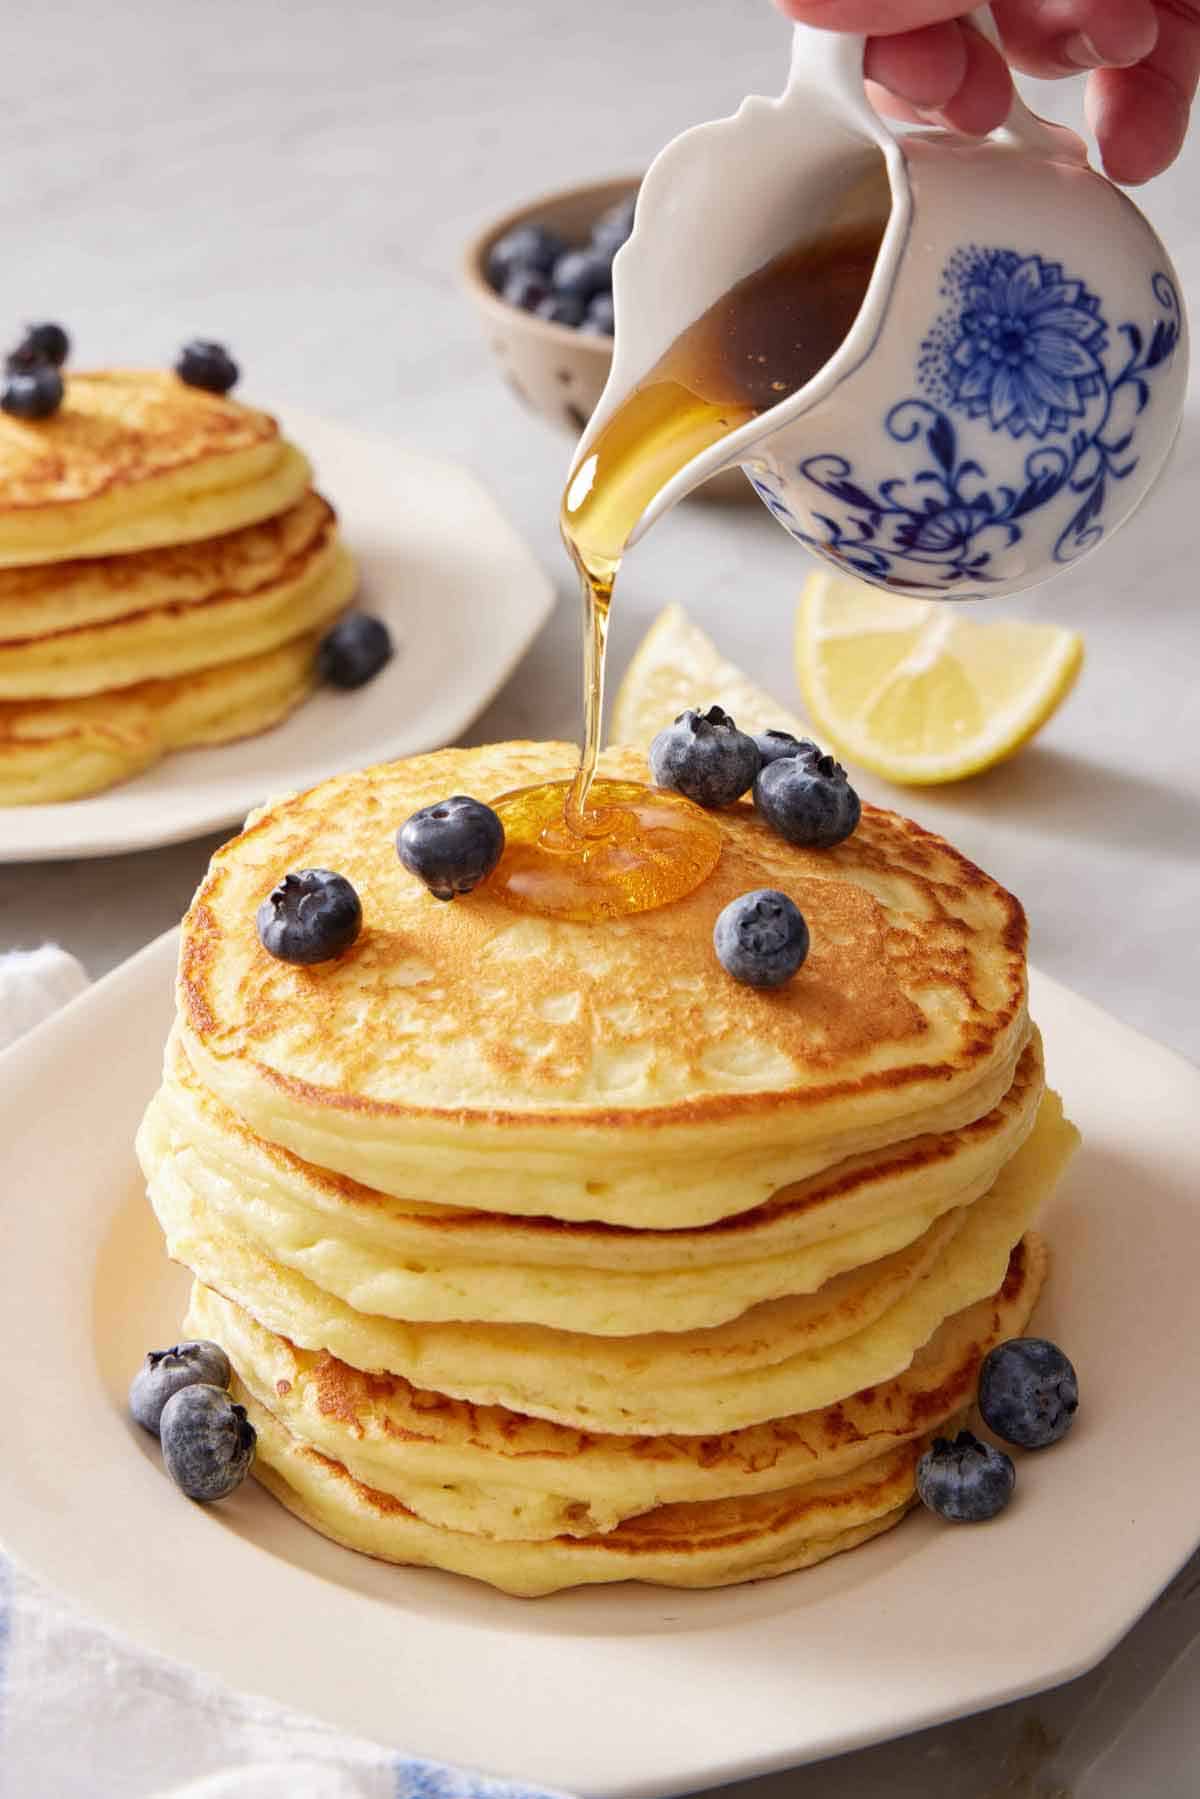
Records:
x=505, y=1474
x=135, y=458
x=54, y=750
x=66, y=597
x=503, y=1062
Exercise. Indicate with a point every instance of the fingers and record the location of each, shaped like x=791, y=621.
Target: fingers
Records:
x=948, y=71
x=877, y=18
x=986, y=95
x=1140, y=115
x=1060, y=37
x=926, y=68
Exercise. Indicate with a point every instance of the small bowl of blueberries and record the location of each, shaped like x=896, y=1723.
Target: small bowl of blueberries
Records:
x=541, y=281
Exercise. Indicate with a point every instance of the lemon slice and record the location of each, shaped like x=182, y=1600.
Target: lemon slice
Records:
x=917, y=691
x=675, y=666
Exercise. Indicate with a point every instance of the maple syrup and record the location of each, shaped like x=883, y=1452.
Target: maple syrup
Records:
x=584, y=851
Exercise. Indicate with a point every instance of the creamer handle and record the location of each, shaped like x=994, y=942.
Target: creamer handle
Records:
x=1022, y=128
x=830, y=64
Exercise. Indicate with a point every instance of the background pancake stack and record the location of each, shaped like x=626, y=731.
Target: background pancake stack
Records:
x=166, y=572
x=546, y=1253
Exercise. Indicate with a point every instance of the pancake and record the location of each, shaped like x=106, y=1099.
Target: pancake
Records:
x=135, y=458
x=705, y=1545
x=65, y=596
x=369, y=1250
x=500, y=1474
x=854, y=1298
x=503, y=1062
x=54, y=750
x=789, y=1356
x=238, y=596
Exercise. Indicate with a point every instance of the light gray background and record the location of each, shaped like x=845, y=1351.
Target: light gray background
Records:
x=298, y=180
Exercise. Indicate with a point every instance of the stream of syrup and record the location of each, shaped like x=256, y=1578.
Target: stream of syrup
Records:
x=588, y=849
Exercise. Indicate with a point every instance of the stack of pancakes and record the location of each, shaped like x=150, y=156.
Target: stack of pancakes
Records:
x=166, y=572
x=547, y=1253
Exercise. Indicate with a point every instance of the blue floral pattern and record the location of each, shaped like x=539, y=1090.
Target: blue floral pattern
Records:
x=1025, y=349
x=1021, y=344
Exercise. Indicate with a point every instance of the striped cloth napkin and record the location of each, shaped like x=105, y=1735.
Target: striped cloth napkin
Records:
x=86, y=1715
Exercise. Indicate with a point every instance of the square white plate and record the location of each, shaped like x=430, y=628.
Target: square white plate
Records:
x=462, y=595
x=620, y=1691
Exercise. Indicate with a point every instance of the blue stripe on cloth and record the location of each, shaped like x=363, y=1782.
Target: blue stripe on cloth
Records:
x=416, y=1779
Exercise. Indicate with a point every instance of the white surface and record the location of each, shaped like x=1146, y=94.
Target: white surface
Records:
x=824, y=1661
x=300, y=180
x=34, y=983
x=462, y=597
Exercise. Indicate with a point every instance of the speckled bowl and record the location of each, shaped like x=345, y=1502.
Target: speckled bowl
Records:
x=554, y=370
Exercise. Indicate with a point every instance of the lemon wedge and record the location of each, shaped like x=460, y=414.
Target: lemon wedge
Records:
x=916, y=690
x=675, y=666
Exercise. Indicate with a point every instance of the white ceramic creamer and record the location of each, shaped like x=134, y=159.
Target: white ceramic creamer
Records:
x=1014, y=379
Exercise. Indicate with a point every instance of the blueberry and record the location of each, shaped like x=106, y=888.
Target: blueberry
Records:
x=1028, y=1392
x=207, y=365
x=614, y=227
x=452, y=846
x=526, y=288
x=600, y=317
x=808, y=800
x=561, y=309
x=761, y=938
x=311, y=916
x=41, y=343
x=166, y=1372
x=582, y=274
x=354, y=650
x=32, y=393
x=705, y=757
x=965, y=1481
x=207, y=1442
x=774, y=744
x=524, y=247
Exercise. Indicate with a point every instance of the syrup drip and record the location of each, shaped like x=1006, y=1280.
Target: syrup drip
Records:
x=585, y=852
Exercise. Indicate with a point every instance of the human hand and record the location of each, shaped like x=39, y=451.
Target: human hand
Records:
x=1143, y=57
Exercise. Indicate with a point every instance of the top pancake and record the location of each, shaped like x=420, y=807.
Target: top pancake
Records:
x=470, y=1055
x=134, y=458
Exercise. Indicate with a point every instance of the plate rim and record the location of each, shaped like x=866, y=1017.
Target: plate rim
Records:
x=152, y=967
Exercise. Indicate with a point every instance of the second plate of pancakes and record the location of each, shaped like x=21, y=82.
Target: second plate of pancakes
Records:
x=461, y=594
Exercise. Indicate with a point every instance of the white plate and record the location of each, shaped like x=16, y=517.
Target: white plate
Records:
x=464, y=599
x=622, y=1690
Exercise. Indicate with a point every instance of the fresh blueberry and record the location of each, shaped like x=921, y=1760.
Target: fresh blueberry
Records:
x=600, y=317
x=207, y=365
x=32, y=393
x=311, y=916
x=526, y=288
x=774, y=744
x=614, y=227
x=354, y=650
x=166, y=1372
x=452, y=846
x=207, y=1442
x=705, y=757
x=524, y=247
x=808, y=800
x=1028, y=1392
x=561, y=309
x=41, y=343
x=761, y=938
x=965, y=1481
x=582, y=274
